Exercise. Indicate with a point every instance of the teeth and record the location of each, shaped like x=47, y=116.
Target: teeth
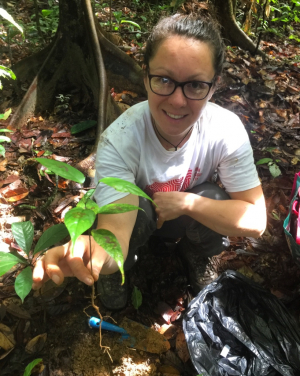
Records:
x=175, y=116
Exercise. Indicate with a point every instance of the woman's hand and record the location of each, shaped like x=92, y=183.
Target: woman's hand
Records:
x=170, y=205
x=58, y=263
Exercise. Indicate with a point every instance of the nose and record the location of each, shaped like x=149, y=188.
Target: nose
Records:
x=177, y=99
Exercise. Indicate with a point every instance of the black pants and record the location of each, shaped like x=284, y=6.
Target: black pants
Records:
x=211, y=243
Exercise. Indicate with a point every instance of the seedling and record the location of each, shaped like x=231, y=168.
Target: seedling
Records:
x=77, y=221
x=273, y=167
x=23, y=233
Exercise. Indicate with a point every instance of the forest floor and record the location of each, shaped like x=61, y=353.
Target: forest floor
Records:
x=52, y=324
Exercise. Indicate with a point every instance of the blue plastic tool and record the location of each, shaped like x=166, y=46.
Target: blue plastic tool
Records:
x=94, y=322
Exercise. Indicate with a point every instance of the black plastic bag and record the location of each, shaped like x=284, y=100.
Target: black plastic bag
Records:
x=235, y=327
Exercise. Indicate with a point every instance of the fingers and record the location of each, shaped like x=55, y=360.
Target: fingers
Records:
x=58, y=263
x=39, y=276
x=75, y=261
x=53, y=262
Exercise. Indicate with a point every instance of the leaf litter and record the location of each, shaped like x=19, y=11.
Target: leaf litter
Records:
x=266, y=96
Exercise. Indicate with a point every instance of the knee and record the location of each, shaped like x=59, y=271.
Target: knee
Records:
x=210, y=190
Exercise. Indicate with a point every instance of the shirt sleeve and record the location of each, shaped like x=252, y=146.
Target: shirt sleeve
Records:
x=236, y=169
x=109, y=163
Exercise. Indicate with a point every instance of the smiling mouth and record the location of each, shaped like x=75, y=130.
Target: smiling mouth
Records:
x=175, y=116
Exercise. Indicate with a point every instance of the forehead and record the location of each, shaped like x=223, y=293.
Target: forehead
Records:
x=183, y=56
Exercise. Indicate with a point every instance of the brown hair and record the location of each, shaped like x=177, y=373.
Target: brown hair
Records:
x=201, y=26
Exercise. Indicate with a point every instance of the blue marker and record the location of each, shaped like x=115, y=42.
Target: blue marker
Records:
x=94, y=322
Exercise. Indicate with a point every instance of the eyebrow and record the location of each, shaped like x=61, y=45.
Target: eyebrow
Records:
x=170, y=74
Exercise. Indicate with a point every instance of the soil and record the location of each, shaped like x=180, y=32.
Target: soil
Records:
x=59, y=315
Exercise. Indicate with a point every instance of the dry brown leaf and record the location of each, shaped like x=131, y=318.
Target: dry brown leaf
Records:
x=181, y=347
x=36, y=344
x=16, y=194
x=17, y=311
x=277, y=135
x=168, y=331
x=281, y=113
x=7, y=340
x=3, y=165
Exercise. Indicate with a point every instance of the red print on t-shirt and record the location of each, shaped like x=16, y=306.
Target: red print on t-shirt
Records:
x=179, y=185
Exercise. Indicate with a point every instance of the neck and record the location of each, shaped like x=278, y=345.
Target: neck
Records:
x=172, y=143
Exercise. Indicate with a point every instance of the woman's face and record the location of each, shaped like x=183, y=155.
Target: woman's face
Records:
x=181, y=59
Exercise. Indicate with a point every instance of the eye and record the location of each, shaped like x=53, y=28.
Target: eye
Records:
x=197, y=85
x=165, y=80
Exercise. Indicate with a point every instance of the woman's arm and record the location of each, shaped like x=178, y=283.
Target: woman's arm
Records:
x=58, y=262
x=243, y=215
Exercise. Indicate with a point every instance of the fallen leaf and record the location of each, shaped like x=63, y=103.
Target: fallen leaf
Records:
x=7, y=341
x=61, y=135
x=16, y=194
x=281, y=113
x=18, y=311
x=168, y=330
x=181, y=347
x=9, y=179
x=36, y=344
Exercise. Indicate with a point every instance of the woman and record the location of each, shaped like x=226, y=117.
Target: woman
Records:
x=170, y=146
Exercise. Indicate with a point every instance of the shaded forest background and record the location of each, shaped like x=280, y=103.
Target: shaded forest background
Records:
x=81, y=63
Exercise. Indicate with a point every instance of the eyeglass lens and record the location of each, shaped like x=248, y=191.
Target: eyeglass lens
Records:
x=166, y=86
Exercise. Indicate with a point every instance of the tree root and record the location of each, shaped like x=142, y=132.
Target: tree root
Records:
x=231, y=30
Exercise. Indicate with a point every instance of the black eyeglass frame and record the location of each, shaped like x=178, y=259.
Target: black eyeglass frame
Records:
x=180, y=84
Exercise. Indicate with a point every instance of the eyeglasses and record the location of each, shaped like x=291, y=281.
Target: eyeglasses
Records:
x=195, y=90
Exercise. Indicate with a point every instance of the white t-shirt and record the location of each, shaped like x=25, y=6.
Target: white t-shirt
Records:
x=129, y=149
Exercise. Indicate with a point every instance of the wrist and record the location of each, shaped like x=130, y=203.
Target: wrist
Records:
x=190, y=203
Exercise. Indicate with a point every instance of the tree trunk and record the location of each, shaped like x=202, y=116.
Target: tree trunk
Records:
x=68, y=66
x=230, y=29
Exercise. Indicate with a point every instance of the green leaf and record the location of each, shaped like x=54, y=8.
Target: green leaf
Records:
x=124, y=186
x=5, y=115
x=136, y=298
x=6, y=72
x=275, y=170
x=264, y=161
x=117, y=208
x=2, y=151
x=107, y=240
x=4, y=139
x=6, y=130
x=9, y=18
x=23, y=283
x=131, y=23
x=62, y=169
x=23, y=233
x=86, y=197
x=92, y=206
x=51, y=236
x=46, y=12
x=78, y=220
x=30, y=366
x=82, y=126
x=7, y=261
